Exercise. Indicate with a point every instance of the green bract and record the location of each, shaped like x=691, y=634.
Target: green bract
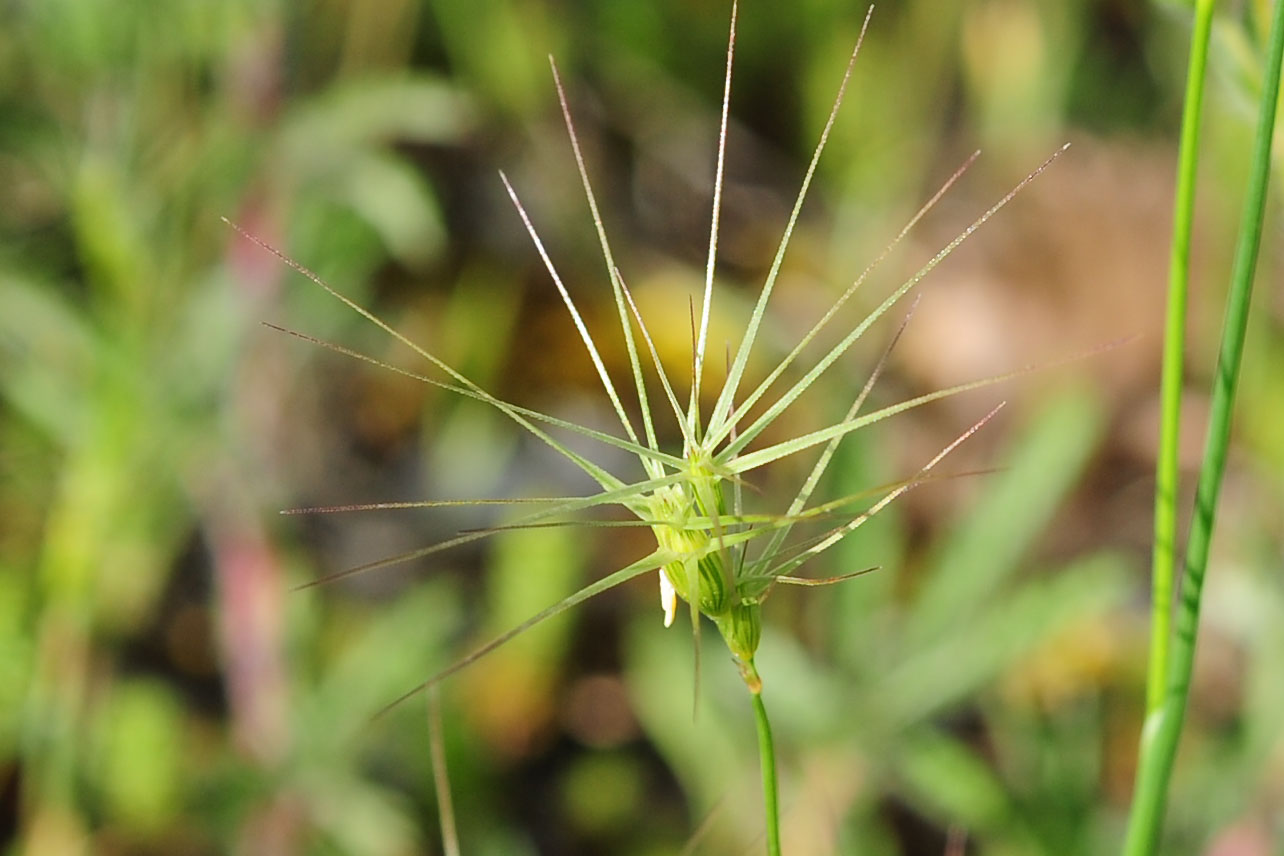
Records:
x=731, y=600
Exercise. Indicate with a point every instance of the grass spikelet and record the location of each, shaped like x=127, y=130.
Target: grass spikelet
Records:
x=721, y=561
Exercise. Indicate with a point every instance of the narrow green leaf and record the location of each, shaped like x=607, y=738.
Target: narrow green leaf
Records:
x=687, y=436
x=654, y=561
x=570, y=307
x=602, y=477
x=508, y=409
x=423, y=503
x=618, y=496
x=729, y=388
x=838, y=304
x=612, y=271
x=697, y=373
x=841, y=348
x=753, y=460
x=843, y=531
x=818, y=470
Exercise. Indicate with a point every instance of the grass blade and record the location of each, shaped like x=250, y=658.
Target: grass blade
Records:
x=598, y=474
x=822, y=464
x=688, y=437
x=441, y=776
x=753, y=460
x=723, y=404
x=421, y=503
x=843, y=531
x=698, y=371
x=611, y=270
x=838, y=350
x=825, y=581
x=616, y=496
x=576, y=318
x=512, y=410
x=652, y=562
x=838, y=304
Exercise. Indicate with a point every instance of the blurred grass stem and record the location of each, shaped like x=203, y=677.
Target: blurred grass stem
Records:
x=1163, y=565
x=1163, y=726
x=441, y=775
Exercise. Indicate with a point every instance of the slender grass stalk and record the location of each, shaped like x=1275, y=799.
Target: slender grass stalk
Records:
x=1163, y=566
x=1163, y=727
x=767, y=758
x=441, y=776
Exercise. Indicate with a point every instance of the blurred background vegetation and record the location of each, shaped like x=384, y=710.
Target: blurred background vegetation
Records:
x=162, y=688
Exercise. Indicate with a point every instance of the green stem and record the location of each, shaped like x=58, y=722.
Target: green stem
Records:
x=1163, y=566
x=767, y=756
x=440, y=775
x=1163, y=726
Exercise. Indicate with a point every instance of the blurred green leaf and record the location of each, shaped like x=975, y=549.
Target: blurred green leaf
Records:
x=980, y=646
x=44, y=344
x=320, y=136
x=399, y=205
x=984, y=549
x=140, y=770
x=949, y=778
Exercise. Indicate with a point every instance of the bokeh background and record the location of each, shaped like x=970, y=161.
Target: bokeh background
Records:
x=164, y=690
